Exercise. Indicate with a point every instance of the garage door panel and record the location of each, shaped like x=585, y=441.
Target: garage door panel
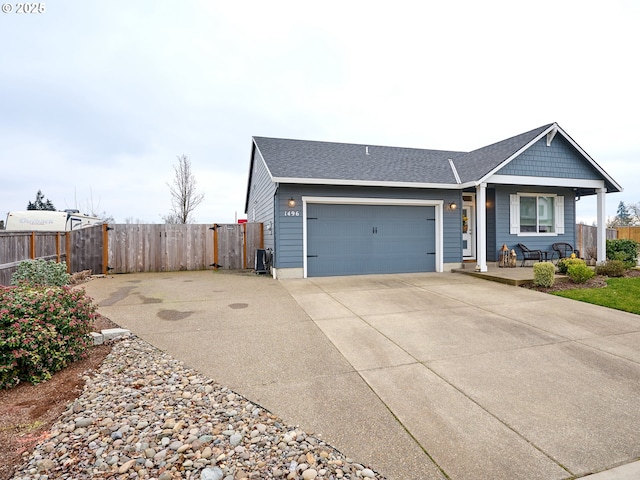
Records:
x=366, y=239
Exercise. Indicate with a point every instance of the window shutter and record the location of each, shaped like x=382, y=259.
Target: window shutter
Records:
x=514, y=214
x=559, y=215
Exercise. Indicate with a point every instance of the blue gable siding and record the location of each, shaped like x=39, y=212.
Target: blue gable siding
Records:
x=560, y=160
x=261, y=198
x=289, y=222
x=534, y=242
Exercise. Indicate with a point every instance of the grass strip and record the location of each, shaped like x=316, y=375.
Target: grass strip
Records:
x=620, y=294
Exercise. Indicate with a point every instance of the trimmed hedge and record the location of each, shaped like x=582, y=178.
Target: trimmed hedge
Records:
x=580, y=272
x=565, y=263
x=543, y=274
x=624, y=250
x=42, y=330
x=613, y=268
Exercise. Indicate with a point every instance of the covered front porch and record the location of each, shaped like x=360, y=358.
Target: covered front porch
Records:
x=492, y=230
x=510, y=276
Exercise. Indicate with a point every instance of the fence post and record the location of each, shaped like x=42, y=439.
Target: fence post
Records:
x=580, y=245
x=58, y=247
x=105, y=248
x=32, y=246
x=215, y=246
x=67, y=242
x=244, y=246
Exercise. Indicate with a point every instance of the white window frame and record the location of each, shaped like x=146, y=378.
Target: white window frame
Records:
x=514, y=215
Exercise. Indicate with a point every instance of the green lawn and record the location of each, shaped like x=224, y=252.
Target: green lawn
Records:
x=620, y=293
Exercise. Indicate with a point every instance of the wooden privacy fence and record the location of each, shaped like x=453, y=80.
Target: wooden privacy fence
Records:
x=80, y=249
x=135, y=248
x=587, y=240
x=629, y=233
x=166, y=248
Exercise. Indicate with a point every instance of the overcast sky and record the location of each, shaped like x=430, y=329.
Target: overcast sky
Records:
x=98, y=98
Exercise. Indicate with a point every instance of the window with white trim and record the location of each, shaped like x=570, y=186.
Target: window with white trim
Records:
x=536, y=214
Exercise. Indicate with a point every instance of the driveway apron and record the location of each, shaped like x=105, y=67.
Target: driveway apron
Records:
x=419, y=375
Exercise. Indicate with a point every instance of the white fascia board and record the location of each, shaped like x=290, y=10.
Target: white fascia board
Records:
x=372, y=201
x=264, y=162
x=365, y=183
x=545, y=181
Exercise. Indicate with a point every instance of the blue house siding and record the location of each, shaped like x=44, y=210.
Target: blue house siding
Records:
x=261, y=198
x=289, y=223
x=560, y=160
x=534, y=242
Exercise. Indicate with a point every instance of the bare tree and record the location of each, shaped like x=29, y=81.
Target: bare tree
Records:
x=184, y=196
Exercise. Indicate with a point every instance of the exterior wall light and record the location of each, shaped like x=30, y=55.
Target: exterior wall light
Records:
x=453, y=206
x=291, y=202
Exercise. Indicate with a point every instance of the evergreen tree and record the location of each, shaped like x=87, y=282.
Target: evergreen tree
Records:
x=623, y=216
x=40, y=203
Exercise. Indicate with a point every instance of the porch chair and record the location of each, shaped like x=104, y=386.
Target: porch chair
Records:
x=564, y=250
x=530, y=254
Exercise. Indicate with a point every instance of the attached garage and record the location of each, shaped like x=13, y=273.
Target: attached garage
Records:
x=359, y=239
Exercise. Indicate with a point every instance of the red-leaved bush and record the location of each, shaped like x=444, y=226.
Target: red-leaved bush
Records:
x=42, y=330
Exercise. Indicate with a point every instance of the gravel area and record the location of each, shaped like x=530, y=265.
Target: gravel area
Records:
x=144, y=415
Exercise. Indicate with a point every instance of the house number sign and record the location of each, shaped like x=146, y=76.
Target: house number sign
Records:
x=291, y=213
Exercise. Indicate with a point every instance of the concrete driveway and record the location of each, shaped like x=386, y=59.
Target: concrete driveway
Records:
x=421, y=376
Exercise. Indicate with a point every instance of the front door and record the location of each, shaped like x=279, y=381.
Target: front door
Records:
x=468, y=228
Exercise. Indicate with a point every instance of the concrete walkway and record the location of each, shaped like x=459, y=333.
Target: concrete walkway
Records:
x=421, y=376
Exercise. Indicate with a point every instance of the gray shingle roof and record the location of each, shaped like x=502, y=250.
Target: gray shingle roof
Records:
x=302, y=159
x=298, y=161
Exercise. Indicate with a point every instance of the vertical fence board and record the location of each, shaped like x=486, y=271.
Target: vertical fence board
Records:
x=587, y=240
x=164, y=248
x=253, y=241
x=86, y=254
x=80, y=250
x=629, y=233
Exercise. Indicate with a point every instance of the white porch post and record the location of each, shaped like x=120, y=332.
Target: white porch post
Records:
x=602, y=226
x=481, y=228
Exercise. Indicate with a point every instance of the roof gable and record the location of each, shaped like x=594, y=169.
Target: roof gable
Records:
x=483, y=161
x=559, y=159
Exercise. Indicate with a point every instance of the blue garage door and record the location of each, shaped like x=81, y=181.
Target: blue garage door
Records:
x=366, y=239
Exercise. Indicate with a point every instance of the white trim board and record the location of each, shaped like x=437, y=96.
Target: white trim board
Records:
x=545, y=181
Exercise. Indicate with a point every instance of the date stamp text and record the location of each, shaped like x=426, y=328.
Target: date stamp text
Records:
x=24, y=8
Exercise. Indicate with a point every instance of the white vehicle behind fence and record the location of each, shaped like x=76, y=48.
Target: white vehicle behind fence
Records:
x=49, y=221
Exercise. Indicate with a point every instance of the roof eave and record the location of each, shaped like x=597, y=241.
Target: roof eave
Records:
x=365, y=183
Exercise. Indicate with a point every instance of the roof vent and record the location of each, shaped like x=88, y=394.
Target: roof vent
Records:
x=366, y=150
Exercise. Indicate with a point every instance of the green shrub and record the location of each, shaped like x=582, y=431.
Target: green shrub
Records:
x=543, y=274
x=613, y=268
x=580, y=272
x=41, y=272
x=565, y=263
x=624, y=250
x=42, y=330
